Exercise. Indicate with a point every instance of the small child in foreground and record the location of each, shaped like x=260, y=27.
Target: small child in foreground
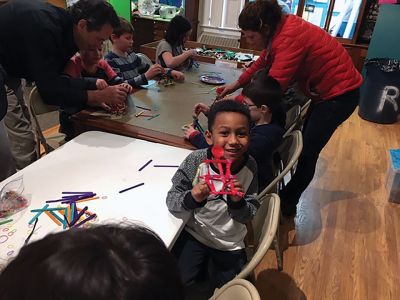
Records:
x=216, y=230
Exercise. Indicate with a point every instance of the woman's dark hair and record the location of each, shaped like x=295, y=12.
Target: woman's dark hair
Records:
x=261, y=16
x=226, y=106
x=265, y=90
x=176, y=30
x=97, y=13
x=101, y=263
x=125, y=27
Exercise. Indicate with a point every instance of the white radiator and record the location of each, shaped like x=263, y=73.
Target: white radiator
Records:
x=217, y=40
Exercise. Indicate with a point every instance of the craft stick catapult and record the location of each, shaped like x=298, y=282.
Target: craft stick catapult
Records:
x=226, y=177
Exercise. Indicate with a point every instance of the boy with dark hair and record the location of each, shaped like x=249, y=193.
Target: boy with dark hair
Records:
x=216, y=229
x=130, y=66
x=101, y=263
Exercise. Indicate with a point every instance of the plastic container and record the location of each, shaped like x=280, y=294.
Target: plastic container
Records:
x=12, y=200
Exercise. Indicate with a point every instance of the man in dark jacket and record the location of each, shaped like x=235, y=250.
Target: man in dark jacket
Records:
x=38, y=39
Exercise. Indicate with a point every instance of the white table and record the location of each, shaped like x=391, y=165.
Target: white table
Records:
x=105, y=164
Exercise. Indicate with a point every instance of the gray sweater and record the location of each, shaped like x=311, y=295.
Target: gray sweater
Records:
x=218, y=222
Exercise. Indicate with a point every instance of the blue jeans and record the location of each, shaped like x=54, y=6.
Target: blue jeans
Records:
x=321, y=122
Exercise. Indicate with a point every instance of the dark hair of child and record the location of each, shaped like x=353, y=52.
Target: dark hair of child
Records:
x=101, y=263
x=261, y=16
x=125, y=27
x=266, y=90
x=97, y=13
x=177, y=29
x=226, y=106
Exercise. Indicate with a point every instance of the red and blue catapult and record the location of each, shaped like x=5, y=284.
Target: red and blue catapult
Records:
x=226, y=177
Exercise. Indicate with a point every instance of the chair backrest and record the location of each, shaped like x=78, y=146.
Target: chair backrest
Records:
x=237, y=289
x=38, y=107
x=288, y=152
x=145, y=58
x=292, y=117
x=265, y=224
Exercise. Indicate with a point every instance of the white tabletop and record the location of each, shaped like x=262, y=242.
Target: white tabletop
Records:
x=105, y=164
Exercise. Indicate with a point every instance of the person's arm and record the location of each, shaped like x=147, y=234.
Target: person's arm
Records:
x=248, y=73
x=198, y=140
x=175, y=61
x=179, y=197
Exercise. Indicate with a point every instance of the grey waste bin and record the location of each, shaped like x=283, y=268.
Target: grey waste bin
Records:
x=379, y=99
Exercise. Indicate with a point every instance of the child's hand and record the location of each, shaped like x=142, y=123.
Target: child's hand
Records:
x=177, y=76
x=101, y=84
x=128, y=88
x=200, y=192
x=191, y=52
x=201, y=108
x=188, y=130
x=238, y=186
x=154, y=71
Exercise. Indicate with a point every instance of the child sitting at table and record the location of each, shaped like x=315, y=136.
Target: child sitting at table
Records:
x=216, y=229
x=129, y=65
x=263, y=96
x=90, y=65
x=100, y=263
x=170, y=53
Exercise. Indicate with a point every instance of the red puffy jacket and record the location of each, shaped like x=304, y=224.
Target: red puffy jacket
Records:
x=305, y=53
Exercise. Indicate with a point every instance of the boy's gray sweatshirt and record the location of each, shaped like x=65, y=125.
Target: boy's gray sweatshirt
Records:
x=218, y=222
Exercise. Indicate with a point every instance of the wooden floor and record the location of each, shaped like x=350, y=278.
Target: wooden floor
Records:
x=345, y=240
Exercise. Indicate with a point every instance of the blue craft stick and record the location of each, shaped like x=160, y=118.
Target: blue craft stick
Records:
x=62, y=221
x=145, y=165
x=132, y=187
x=38, y=214
x=155, y=116
x=47, y=209
x=71, y=217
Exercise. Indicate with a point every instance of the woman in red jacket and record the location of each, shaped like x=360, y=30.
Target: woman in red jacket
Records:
x=296, y=50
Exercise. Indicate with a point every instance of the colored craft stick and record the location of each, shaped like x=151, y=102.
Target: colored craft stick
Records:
x=81, y=213
x=53, y=218
x=68, y=214
x=146, y=116
x=141, y=107
x=47, y=209
x=71, y=212
x=155, y=116
x=52, y=201
x=6, y=221
x=78, y=193
x=38, y=214
x=139, y=113
x=166, y=166
x=86, y=220
x=79, y=196
x=132, y=187
x=80, y=199
x=145, y=165
x=66, y=221
x=88, y=199
x=86, y=212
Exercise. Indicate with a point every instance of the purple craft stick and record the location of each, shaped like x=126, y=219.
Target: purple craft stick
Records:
x=86, y=220
x=79, y=215
x=166, y=166
x=79, y=193
x=132, y=187
x=79, y=196
x=145, y=165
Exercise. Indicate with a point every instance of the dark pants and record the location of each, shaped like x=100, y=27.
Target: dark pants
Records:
x=194, y=256
x=321, y=122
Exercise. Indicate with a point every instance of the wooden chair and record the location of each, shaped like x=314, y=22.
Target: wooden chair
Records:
x=38, y=107
x=265, y=226
x=292, y=119
x=236, y=289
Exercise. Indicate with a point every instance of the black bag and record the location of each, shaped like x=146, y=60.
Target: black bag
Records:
x=380, y=95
